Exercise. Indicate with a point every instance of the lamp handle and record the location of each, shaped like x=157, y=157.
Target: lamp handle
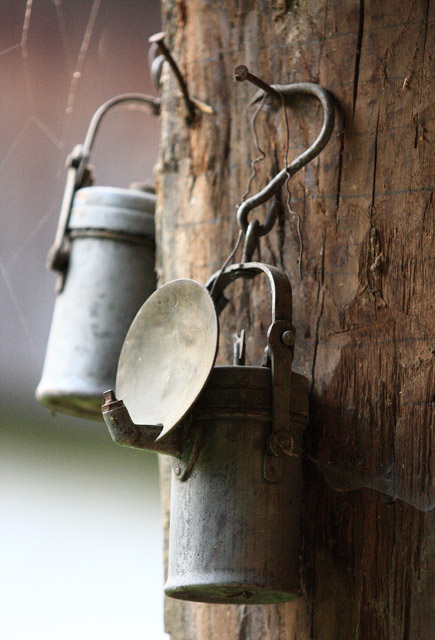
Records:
x=280, y=352
x=78, y=175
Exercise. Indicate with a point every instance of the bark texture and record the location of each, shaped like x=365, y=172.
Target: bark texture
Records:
x=364, y=306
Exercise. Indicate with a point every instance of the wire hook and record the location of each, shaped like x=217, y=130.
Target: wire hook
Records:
x=271, y=189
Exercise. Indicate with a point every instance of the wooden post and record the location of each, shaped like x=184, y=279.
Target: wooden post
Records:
x=363, y=308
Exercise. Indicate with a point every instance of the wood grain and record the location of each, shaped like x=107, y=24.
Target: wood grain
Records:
x=364, y=306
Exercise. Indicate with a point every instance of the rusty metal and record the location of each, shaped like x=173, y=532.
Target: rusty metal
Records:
x=281, y=294
x=159, y=40
x=138, y=436
x=235, y=433
x=241, y=73
x=280, y=350
x=282, y=94
x=288, y=338
x=251, y=240
x=287, y=92
x=158, y=53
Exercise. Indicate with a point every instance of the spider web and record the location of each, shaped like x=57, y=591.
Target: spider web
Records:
x=59, y=60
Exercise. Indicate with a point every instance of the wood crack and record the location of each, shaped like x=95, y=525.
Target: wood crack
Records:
x=339, y=176
x=358, y=54
x=416, y=121
x=375, y=162
x=376, y=258
x=426, y=26
x=321, y=296
x=243, y=621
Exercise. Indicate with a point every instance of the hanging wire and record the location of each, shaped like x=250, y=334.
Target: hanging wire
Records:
x=253, y=166
x=259, y=158
x=227, y=261
x=287, y=185
x=277, y=182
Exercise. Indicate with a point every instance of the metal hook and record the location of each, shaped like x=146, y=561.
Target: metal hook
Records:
x=255, y=230
x=159, y=40
x=78, y=175
x=158, y=53
x=287, y=92
x=156, y=60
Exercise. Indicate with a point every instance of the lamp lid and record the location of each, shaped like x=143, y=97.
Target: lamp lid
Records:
x=168, y=354
x=127, y=211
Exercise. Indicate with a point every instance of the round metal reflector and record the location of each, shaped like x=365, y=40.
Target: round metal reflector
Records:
x=168, y=354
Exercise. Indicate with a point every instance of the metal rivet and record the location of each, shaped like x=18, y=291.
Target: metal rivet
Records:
x=288, y=338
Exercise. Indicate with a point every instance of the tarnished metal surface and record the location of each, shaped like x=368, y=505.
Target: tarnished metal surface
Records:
x=110, y=274
x=234, y=538
x=281, y=340
x=79, y=175
x=241, y=73
x=168, y=354
x=138, y=436
x=113, y=209
x=236, y=487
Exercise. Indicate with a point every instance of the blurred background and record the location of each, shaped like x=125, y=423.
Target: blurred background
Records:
x=80, y=538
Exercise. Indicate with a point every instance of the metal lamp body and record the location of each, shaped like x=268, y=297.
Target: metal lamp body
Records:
x=110, y=274
x=234, y=536
x=236, y=440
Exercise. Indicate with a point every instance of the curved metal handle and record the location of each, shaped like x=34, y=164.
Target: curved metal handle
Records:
x=77, y=161
x=279, y=285
x=276, y=183
x=280, y=352
x=95, y=122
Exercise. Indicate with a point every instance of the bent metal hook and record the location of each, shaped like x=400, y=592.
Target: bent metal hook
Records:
x=287, y=92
